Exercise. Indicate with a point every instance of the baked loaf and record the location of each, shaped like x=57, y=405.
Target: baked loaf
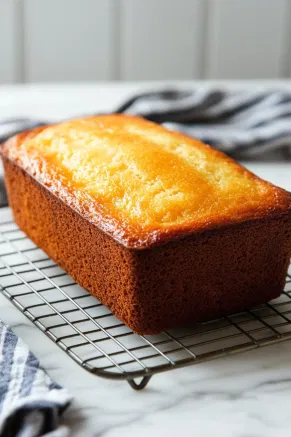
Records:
x=160, y=227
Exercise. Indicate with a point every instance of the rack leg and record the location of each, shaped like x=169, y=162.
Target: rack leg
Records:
x=141, y=385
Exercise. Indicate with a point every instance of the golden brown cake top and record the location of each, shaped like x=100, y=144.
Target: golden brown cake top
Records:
x=141, y=183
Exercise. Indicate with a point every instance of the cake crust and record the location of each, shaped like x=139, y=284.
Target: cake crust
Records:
x=140, y=183
x=155, y=277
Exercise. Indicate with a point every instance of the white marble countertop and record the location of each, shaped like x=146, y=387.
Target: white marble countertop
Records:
x=245, y=395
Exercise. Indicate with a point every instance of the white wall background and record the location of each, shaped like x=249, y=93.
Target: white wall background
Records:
x=87, y=40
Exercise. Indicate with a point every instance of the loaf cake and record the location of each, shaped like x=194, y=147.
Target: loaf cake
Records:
x=161, y=228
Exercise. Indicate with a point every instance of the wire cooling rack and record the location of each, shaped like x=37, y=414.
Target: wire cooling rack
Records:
x=89, y=333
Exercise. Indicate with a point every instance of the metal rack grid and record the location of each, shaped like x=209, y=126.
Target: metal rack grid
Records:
x=89, y=333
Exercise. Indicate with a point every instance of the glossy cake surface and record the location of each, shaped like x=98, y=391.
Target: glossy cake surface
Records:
x=141, y=183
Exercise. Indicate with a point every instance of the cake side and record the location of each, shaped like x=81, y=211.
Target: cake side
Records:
x=206, y=275
x=140, y=183
x=92, y=258
x=213, y=273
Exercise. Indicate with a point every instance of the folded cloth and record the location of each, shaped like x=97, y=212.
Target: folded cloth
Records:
x=31, y=404
x=3, y=195
x=243, y=124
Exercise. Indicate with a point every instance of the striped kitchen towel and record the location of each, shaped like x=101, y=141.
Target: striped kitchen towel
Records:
x=243, y=124
x=31, y=404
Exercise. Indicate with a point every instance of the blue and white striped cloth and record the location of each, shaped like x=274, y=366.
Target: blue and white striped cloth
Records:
x=31, y=404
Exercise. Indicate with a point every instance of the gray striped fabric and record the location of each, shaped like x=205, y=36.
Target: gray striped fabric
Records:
x=30, y=402
x=243, y=124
